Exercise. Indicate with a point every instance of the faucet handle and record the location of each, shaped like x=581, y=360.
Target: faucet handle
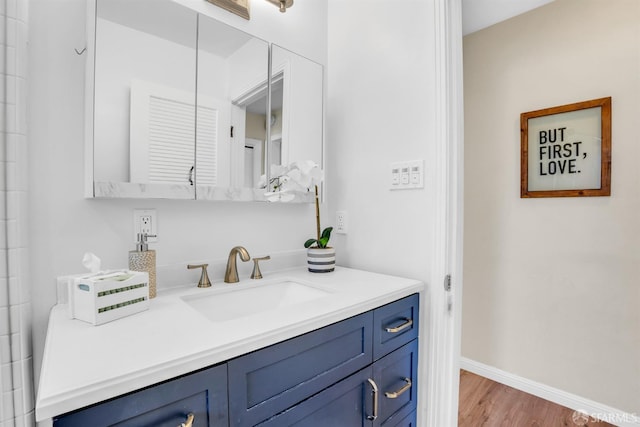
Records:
x=257, y=274
x=204, y=281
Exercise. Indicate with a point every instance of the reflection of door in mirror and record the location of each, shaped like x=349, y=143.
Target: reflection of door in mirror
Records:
x=278, y=133
x=230, y=64
x=296, y=101
x=253, y=161
x=249, y=118
x=144, y=98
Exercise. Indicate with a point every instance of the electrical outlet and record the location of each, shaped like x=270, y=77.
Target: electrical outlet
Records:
x=341, y=222
x=145, y=221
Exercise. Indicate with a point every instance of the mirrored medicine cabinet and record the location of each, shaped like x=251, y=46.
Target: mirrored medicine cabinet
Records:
x=182, y=106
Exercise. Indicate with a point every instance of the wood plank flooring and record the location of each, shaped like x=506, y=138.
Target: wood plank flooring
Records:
x=486, y=403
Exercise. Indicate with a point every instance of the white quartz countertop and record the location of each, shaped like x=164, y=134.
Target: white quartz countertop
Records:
x=85, y=364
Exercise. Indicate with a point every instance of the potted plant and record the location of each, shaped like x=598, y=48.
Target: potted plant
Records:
x=297, y=179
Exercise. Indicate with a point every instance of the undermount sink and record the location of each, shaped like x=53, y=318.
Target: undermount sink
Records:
x=235, y=304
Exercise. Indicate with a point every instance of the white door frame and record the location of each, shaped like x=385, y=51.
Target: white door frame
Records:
x=444, y=316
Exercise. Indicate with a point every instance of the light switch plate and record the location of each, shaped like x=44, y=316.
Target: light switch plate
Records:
x=406, y=175
x=394, y=183
x=416, y=174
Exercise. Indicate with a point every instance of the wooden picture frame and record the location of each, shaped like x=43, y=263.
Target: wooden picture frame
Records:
x=565, y=151
x=239, y=7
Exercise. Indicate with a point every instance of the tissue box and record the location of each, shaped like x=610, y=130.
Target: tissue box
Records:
x=104, y=297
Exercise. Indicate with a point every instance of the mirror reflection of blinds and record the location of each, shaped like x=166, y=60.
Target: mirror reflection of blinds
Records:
x=162, y=134
x=170, y=140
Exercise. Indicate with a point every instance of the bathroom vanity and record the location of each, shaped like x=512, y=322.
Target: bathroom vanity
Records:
x=336, y=349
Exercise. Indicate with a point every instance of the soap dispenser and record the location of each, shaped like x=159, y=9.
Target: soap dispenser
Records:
x=144, y=259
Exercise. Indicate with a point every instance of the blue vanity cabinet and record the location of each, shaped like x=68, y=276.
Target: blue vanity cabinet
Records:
x=395, y=324
x=361, y=371
x=358, y=372
x=273, y=379
x=408, y=421
x=342, y=404
x=375, y=396
x=396, y=376
x=202, y=394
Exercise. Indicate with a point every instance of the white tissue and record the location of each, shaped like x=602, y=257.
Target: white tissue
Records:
x=91, y=262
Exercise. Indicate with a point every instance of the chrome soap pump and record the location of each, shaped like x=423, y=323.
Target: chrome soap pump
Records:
x=144, y=259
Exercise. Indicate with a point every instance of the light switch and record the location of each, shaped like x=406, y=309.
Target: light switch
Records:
x=407, y=175
x=416, y=168
x=395, y=176
x=404, y=175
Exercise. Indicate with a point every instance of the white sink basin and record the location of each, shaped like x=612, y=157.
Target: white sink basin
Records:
x=235, y=304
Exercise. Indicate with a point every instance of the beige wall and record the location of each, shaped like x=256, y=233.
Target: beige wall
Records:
x=552, y=286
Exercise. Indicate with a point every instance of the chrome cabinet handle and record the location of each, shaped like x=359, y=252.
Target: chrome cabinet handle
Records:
x=374, y=394
x=189, y=422
x=397, y=393
x=405, y=325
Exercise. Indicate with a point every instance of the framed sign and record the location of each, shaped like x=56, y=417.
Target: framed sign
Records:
x=566, y=150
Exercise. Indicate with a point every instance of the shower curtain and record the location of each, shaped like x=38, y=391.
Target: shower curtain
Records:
x=16, y=373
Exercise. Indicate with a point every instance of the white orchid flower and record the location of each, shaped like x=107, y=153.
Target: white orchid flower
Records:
x=298, y=177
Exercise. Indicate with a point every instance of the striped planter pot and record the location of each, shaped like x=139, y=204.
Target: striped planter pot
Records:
x=321, y=260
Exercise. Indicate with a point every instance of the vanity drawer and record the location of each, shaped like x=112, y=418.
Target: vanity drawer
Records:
x=395, y=324
x=203, y=394
x=270, y=380
x=352, y=402
x=396, y=375
x=343, y=404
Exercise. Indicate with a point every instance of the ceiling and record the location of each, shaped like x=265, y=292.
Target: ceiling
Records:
x=479, y=14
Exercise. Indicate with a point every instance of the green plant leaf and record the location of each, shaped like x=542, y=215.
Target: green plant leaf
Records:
x=326, y=233
x=322, y=243
x=309, y=242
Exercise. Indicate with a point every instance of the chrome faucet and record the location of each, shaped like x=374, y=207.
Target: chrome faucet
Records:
x=231, y=274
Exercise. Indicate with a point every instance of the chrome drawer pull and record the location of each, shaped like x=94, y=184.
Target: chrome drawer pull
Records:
x=374, y=387
x=405, y=325
x=396, y=394
x=189, y=422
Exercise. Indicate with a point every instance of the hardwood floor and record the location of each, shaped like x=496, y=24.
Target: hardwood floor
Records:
x=490, y=404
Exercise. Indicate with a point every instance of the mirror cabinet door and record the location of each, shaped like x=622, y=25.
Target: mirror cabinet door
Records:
x=232, y=104
x=144, y=99
x=180, y=106
x=296, y=108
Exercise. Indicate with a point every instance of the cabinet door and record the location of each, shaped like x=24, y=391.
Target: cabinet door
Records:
x=347, y=403
x=378, y=395
x=397, y=378
x=271, y=380
x=395, y=324
x=203, y=394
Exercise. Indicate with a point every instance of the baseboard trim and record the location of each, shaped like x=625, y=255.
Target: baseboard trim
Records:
x=572, y=401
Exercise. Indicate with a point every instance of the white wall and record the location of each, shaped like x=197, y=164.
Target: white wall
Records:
x=551, y=285
x=381, y=110
x=63, y=225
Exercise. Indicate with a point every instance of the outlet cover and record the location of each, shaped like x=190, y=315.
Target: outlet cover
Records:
x=341, y=222
x=145, y=221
